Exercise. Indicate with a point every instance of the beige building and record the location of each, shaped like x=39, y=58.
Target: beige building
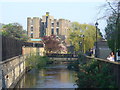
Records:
x=47, y=25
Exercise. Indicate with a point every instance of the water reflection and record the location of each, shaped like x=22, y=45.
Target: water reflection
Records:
x=55, y=76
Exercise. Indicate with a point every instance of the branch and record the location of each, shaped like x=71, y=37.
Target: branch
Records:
x=111, y=7
x=101, y=17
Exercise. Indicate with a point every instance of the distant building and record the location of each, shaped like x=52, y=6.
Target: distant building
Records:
x=103, y=50
x=47, y=25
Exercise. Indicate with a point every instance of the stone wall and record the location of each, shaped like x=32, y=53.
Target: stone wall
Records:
x=11, y=70
x=103, y=50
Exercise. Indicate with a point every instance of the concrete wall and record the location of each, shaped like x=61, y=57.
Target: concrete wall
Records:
x=29, y=20
x=36, y=26
x=0, y=78
x=0, y=61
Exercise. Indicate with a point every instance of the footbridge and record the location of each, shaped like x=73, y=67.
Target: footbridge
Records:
x=63, y=57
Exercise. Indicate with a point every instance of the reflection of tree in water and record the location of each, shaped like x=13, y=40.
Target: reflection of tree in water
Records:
x=31, y=79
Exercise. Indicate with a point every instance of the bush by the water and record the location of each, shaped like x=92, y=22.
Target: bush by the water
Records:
x=93, y=73
x=36, y=61
x=73, y=66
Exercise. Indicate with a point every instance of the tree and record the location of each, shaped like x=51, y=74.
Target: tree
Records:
x=53, y=44
x=76, y=36
x=113, y=26
x=110, y=33
x=14, y=30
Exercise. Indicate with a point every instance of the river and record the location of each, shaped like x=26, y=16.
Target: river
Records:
x=54, y=76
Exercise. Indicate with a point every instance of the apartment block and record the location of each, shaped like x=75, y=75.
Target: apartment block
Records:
x=47, y=25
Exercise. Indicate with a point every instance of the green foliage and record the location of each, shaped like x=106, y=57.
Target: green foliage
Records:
x=89, y=32
x=14, y=30
x=113, y=25
x=3, y=32
x=36, y=61
x=95, y=74
x=73, y=66
x=113, y=33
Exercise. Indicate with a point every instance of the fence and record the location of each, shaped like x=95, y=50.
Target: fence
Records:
x=12, y=47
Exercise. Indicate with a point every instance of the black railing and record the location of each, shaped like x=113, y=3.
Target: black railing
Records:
x=61, y=55
x=27, y=44
x=12, y=47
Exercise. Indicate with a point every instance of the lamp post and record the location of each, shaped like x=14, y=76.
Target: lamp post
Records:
x=83, y=43
x=80, y=44
x=96, y=25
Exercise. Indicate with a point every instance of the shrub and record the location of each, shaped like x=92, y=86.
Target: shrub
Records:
x=95, y=74
x=36, y=61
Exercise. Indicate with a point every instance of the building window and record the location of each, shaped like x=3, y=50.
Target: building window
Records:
x=31, y=28
x=52, y=31
x=46, y=21
x=57, y=30
x=52, y=24
x=31, y=35
x=57, y=24
x=42, y=23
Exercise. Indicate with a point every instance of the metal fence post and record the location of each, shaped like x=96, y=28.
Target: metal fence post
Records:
x=3, y=81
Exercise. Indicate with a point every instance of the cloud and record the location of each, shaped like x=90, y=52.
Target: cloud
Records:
x=52, y=1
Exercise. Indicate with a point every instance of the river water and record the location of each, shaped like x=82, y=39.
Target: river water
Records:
x=54, y=76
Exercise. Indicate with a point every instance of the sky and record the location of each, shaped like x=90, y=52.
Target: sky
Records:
x=82, y=11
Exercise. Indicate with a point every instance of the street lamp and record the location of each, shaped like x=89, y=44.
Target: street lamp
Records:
x=83, y=43
x=80, y=44
x=96, y=25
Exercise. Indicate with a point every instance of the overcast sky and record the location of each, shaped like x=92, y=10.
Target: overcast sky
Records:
x=82, y=11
